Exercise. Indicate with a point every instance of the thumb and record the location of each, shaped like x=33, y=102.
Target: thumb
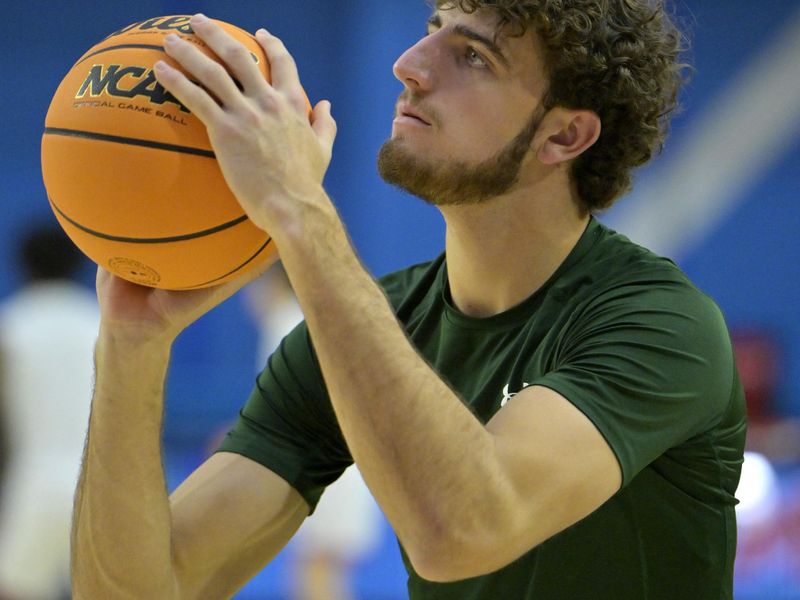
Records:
x=323, y=124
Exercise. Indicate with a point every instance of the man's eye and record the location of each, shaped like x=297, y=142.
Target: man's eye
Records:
x=474, y=58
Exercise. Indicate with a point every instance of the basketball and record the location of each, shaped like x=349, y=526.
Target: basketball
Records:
x=130, y=173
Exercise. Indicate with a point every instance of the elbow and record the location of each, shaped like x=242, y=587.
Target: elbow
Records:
x=437, y=571
x=438, y=551
x=440, y=565
x=448, y=562
x=478, y=542
x=452, y=556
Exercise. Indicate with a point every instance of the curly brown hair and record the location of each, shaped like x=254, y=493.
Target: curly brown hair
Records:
x=618, y=58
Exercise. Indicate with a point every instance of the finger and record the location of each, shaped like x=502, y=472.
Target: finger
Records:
x=323, y=124
x=207, y=71
x=101, y=276
x=232, y=52
x=190, y=94
x=283, y=70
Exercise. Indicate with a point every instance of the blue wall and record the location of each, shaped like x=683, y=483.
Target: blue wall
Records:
x=748, y=260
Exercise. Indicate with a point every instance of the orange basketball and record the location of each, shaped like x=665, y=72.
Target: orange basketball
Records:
x=131, y=175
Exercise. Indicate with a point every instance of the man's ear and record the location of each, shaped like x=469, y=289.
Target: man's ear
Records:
x=569, y=134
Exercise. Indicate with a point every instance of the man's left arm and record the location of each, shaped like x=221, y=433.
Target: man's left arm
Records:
x=464, y=498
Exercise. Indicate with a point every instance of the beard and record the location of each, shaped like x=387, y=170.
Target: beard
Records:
x=444, y=182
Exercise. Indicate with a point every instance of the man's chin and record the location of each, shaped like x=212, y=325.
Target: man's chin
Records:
x=395, y=161
x=446, y=182
x=400, y=167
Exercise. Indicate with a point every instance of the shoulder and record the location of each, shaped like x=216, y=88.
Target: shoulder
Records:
x=640, y=310
x=619, y=273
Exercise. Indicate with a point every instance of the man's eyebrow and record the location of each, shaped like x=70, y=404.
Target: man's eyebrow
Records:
x=462, y=30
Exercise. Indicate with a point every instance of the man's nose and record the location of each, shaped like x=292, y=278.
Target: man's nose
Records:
x=414, y=68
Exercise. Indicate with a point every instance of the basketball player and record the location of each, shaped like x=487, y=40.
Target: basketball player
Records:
x=545, y=411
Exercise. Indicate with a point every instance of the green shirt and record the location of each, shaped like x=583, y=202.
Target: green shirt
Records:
x=623, y=335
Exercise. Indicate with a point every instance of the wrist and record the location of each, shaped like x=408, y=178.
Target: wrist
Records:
x=291, y=215
x=130, y=375
x=133, y=340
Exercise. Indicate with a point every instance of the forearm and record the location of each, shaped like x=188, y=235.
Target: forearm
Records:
x=121, y=527
x=430, y=463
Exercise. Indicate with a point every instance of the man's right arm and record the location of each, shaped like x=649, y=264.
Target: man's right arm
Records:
x=229, y=519
x=129, y=539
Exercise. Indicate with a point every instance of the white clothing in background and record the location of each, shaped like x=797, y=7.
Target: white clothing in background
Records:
x=47, y=336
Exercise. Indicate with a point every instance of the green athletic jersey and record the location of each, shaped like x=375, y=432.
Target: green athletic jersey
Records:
x=623, y=335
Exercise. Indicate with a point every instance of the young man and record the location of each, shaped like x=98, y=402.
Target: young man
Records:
x=545, y=411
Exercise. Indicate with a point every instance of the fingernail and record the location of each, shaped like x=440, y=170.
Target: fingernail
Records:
x=171, y=38
x=200, y=17
x=262, y=31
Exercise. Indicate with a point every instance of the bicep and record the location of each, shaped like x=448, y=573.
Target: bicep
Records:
x=229, y=518
x=557, y=462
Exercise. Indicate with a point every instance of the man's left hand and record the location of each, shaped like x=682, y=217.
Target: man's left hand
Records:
x=273, y=153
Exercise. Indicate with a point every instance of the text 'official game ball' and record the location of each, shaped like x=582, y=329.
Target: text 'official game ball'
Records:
x=131, y=175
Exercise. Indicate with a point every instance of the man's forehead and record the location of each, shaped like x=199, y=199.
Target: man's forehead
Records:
x=486, y=20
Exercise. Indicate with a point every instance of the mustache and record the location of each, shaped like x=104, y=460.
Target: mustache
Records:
x=415, y=101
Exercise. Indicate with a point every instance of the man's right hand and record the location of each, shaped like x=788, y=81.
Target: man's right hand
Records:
x=143, y=313
x=126, y=539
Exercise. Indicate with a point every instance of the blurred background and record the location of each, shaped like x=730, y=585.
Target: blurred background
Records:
x=723, y=200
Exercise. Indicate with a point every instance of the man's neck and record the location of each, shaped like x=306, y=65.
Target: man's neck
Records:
x=499, y=253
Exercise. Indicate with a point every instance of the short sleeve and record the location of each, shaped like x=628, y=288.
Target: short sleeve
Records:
x=288, y=424
x=650, y=364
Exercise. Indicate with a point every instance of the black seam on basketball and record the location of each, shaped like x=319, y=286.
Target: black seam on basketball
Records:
x=161, y=240
x=229, y=273
x=104, y=137
x=118, y=46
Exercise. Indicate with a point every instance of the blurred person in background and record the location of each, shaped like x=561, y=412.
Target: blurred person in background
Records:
x=346, y=525
x=47, y=334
